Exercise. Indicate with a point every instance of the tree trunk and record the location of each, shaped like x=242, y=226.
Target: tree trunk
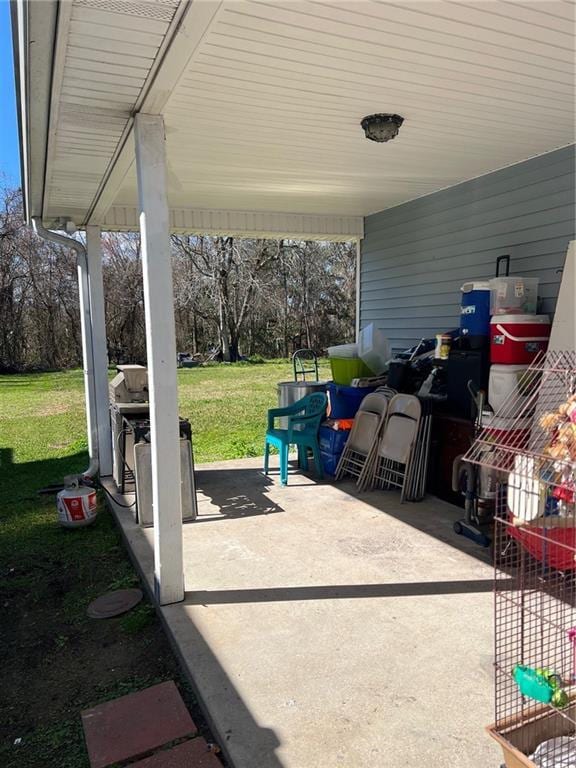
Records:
x=194, y=334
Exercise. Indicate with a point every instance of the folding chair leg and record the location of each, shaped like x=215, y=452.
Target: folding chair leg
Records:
x=266, y=456
x=365, y=479
x=403, y=491
x=405, y=480
x=284, y=464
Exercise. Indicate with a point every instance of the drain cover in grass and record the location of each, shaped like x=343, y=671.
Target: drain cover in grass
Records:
x=114, y=603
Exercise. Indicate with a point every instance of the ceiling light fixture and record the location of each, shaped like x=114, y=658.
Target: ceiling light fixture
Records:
x=381, y=127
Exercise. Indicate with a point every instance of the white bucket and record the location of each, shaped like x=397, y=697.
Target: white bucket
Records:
x=76, y=507
x=526, y=494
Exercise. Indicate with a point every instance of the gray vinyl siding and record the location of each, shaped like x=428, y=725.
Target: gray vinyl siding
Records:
x=416, y=256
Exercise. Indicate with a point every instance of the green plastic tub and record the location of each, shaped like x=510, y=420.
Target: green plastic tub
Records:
x=344, y=369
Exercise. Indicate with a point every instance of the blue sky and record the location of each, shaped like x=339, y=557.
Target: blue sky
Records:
x=9, y=153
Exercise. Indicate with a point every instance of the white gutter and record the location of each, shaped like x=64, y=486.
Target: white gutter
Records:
x=87, y=340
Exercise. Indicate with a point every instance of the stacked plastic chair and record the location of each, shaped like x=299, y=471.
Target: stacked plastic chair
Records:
x=390, y=463
x=364, y=434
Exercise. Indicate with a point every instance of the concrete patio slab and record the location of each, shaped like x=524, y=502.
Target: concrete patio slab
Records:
x=322, y=628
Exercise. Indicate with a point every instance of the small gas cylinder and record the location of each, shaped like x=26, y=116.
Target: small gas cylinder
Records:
x=76, y=504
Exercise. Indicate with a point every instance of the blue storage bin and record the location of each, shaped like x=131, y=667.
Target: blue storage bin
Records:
x=329, y=462
x=475, y=312
x=332, y=440
x=345, y=401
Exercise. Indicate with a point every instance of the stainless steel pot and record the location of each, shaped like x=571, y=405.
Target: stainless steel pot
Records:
x=291, y=391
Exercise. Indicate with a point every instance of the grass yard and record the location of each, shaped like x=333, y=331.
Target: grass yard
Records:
x=227, y=406
x=42, y=415
x=55, y=660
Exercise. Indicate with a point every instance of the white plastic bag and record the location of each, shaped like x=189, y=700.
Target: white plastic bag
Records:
x=556, y=753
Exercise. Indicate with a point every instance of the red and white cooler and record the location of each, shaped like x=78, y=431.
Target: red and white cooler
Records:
x=517, y=339
x=506, y=385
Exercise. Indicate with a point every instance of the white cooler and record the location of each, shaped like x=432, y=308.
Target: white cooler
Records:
x=506, y=381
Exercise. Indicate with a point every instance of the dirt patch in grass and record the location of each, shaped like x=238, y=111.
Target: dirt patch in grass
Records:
x=55, y=660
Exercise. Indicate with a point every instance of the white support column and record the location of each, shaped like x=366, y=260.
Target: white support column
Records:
x=87, y=359
x=358, y=266
x=100, y=349
x=161, y=353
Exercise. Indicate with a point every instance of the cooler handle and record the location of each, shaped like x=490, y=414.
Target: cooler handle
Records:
x=506, y=260
x=508, y=335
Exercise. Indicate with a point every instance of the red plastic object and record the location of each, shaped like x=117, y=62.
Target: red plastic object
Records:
x=518, y=339
x=191, y=754
x=554, y=547
x=135, y=724
x=344, y=424
x=513, y=438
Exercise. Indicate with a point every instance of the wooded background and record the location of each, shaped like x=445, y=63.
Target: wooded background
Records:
x=246, y=297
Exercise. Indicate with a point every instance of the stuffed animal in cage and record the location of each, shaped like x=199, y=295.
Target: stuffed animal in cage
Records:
x=561, y=428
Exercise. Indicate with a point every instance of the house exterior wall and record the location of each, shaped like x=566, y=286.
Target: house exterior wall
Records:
x=416, y=256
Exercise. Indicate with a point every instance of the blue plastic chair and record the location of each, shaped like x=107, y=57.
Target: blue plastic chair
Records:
x=307, y=414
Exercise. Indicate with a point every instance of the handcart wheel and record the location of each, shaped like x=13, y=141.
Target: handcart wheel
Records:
x=458, y=528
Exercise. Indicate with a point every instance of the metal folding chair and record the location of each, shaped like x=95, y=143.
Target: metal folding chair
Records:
x=390, y=465
x=363, y=436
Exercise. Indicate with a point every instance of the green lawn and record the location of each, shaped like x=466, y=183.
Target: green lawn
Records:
x=227, y=406
x=42, y=415
x=55, y=661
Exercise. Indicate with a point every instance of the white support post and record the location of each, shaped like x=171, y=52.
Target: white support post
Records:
x=99, y=348
x=161, y=354
x=358, y=267
x=87, y=360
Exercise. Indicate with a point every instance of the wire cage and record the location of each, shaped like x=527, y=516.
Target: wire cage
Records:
x=532, y=454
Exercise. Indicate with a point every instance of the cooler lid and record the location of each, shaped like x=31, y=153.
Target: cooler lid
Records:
x=520, y=319
x=476, y=285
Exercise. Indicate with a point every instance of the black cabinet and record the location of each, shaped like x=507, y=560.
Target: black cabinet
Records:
x=451, y=437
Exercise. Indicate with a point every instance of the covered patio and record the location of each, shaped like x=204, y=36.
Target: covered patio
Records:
x=321, y=627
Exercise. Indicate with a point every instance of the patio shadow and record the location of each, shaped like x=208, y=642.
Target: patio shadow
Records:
x=336, y=592
x=222, y=488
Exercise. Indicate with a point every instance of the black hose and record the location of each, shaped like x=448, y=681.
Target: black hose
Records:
x=111, y=496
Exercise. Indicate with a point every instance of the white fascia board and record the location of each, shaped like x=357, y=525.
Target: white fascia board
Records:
x=57, y=68
x=33, y=23
x=261, y=224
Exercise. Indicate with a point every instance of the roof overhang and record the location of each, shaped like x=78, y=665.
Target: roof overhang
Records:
x=262, y=103
x=245, y=224
x=33, y=74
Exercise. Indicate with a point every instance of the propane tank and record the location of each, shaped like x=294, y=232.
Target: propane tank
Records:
x=76, y=504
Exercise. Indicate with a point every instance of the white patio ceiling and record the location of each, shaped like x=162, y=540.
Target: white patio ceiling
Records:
x=262, y=103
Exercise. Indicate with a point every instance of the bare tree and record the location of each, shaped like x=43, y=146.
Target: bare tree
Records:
x=232, y=272
x=250, y=296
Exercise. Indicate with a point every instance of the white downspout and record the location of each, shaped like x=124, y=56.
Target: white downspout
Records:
x=358, y=284
x=87, y=342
